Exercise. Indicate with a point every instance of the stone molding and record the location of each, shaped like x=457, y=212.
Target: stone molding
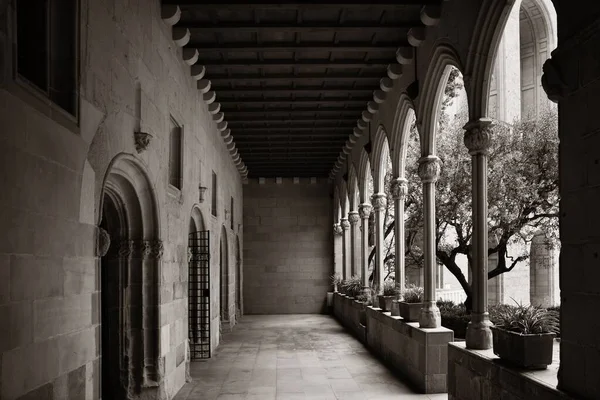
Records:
x=337, y=229
x=353, y=217
x=364, y=210
x=429, y=169
x=552, y=81
x=140, y=249
x=102, y=242
x=345, y=224
x=142, y=141
x=478, y=136
x=399, y=188
x=379, y=201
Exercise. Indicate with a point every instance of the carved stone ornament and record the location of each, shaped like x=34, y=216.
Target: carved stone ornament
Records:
x=353, y=217
x=379, y=201
x=429, y=169
x=399, y=188
x=156, y=248
x=337, y=229
x=126, y=248
x=364, y=210
x=102, y=242
x=142, y=141
x=145, y=248
x=478, y=136
x=552, y=82
x=345, y=224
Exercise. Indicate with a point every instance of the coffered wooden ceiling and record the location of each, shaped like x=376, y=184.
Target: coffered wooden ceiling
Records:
x=292, y=79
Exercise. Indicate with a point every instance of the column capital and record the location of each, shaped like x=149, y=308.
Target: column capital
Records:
x=126, y=248
x=353, y=217
x=337, y=229
x=478, y=135
x=345, y=224
x=364, y=210
x=379, y=201
x=552, y=81
x=399, y=188
x=429, y=168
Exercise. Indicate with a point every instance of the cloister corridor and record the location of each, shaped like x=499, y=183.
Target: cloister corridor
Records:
x=294, y=357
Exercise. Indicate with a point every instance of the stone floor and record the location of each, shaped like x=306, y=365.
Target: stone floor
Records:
x=293, y=357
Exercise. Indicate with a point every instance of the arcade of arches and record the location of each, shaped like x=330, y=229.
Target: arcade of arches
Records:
x=171, y=167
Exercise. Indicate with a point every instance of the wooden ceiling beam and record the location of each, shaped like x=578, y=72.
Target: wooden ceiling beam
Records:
x=254, y=78
x=334, y=101
x=294, y=47
x=289, y=120
x=308, y=27
x=294, y=129
x=319, y=63
x=294, y=5
x=278, y=91
x=289, y=113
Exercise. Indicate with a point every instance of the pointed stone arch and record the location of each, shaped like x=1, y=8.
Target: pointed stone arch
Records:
x=363, y=172
x=353, y=195
x=224, y=277
x=400, y=134
x=381, y=152
x=130, y=269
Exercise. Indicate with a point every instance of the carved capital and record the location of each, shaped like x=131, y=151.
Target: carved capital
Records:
x=399, y=188
x=364, y=210
x=353, y=217
x=478, y=136
x=156, y=248
x=126, y=248
x=102, y=242
x=345, y=224
x=429, y=169
x=379, y=201
x=142, y=141
x=337, y=229
x=552, y=81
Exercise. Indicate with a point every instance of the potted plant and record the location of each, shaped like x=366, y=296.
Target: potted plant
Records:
x=390, y=291
x=410, y=306
x=524, y=335
x=335, y=280
x=352, y=286
x=367, y=300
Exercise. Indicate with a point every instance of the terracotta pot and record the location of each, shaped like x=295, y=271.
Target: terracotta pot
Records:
x=385, y=302
x=410, y=311
x=527, y=351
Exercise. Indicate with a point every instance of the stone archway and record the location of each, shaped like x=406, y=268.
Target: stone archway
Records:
x=238, y=277
x=129, y=269
x=224, y=277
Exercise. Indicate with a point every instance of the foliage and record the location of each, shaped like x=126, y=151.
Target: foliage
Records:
x=336, y=280
x=413, y=294
x=352, y=286
x=455, y=317
x=527, y=320
x=390, y=288
x=366, y=298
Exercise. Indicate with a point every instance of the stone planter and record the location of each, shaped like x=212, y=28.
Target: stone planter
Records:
x=527, y=351
x=329, y=299
x=385, y=302
x=410, y=311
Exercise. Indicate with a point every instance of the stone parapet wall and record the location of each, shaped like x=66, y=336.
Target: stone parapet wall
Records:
x=480, y=375
x=419, y=354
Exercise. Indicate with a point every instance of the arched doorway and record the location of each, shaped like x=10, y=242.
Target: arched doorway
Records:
x=130, y=252
x=198, y=288
x=238, y=277
x=224, y=275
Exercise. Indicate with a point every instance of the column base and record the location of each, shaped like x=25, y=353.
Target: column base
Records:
x=430, y=316
x=479, y=334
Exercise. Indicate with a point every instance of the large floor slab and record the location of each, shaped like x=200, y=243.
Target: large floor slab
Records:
x=293, y=357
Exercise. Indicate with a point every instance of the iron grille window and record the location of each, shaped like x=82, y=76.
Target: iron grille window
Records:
x=214, y=194
x=47, y=48
x=199, y=295
x=175, y=155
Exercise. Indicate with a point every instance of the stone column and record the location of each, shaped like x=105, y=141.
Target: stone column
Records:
x=477, y=139
x=399, y=192
x=379, y=201
x=345, y=256
x=353, y=218
x=337, y=236
x=429, y=172
x=365, y=212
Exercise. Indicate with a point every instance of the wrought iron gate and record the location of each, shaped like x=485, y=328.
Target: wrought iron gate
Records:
x=199, y=295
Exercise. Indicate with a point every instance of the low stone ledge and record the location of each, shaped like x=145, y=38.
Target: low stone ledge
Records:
x=418, y=353
x=481, y=375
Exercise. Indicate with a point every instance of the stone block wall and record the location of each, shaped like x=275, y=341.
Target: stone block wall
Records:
x=288, y=246
x=52, y=169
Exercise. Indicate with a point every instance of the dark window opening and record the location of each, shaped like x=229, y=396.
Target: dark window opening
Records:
x=231, y=212
x=214, y=194
x=47, y=48
x=175, y=155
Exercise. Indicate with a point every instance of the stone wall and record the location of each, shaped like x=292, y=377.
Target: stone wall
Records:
x=288, y=248
x=53, y=166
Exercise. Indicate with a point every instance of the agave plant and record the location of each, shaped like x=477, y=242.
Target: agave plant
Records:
x=352, y=286
x=527, y=320
x=336, y=280
x=390, y=288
